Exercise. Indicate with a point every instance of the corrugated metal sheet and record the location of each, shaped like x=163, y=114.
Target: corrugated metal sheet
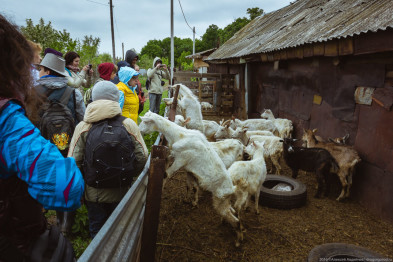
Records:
x=307, y=21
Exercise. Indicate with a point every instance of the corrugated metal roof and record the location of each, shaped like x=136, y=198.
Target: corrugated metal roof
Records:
x=307, y=21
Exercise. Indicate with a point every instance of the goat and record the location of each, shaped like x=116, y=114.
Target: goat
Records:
x=284, y=126
x=255, y=124
x=243, y=134
x=191, y=151
x=206, y=105
x=248, y=177
x=345, y=156
x=339, y=140
x=272, y=149
x=191, y=108
x=316, y=160
x=210, y=128
x=224, y=131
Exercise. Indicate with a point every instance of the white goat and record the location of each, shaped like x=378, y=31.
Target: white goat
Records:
x=254, y=124
x=191, y=108
x=273, y=149
x=210, y=128
x=206, y=105
x=248, y=177
x=244, y=135
x=191, y=151
x=284, y=126
x=229, y=151
x=224, y=131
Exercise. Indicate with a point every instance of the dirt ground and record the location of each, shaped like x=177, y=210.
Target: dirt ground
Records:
x=197, y=234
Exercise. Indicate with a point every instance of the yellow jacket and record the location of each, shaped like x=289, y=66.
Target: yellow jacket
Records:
x=131, y=102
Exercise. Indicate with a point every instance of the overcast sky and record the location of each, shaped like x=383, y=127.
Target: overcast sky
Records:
x=135, y=22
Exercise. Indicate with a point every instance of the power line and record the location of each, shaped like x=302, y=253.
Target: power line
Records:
x=184, y=16
x=97, y=2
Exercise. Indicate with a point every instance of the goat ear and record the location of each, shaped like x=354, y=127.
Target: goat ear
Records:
x=346, y=137
x=233, y=117
x=294, y=140
x=314, y=130
x=188, y=119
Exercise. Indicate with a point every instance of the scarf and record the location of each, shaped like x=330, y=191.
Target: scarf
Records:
x=73, y=69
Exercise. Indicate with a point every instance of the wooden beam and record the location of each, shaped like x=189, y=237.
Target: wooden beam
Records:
x=345, y=46
x=331, y=48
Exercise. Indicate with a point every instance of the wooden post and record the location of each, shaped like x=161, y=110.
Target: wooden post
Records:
x=172, y=112
x=153, y=201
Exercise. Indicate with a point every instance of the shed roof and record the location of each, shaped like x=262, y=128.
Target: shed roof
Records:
x=201, y=54
x=305, y=22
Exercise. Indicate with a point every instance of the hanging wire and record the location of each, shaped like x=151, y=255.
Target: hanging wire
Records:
x=185, y=16
x=97, y=3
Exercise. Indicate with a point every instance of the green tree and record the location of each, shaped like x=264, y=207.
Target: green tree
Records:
x=254, y=12
x=232, y=28
x=211, y=38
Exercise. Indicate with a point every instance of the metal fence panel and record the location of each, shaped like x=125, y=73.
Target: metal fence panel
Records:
x=119, y=238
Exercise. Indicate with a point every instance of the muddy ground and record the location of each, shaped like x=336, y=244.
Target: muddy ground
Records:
x=197, y=234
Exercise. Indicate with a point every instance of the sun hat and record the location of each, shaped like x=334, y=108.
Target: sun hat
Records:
x=54, y=63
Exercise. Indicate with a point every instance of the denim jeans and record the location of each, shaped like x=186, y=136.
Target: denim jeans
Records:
x=155, y=101
x=98, y=214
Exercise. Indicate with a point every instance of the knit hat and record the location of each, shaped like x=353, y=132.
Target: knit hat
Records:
x=105, y=70
x=52, y=51
x=120, y=64
x=126, y=73
x=105, y=90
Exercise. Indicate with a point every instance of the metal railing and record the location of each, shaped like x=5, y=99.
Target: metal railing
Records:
x=120, y=237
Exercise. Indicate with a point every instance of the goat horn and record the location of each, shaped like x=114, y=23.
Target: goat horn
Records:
x=226, y=123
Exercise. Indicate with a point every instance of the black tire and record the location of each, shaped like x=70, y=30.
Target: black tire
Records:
x=341, y=252
x=295, y=198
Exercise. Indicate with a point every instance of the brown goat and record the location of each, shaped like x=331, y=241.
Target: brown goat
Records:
x=346, y=157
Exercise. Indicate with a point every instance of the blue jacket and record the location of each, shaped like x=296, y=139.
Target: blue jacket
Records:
x=54, y=181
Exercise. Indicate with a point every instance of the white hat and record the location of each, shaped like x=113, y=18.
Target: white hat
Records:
x=54, y=63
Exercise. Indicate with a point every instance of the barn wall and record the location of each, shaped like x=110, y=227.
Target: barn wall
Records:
x=289, y=91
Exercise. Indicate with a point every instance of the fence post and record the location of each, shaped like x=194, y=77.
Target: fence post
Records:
x=153, y=201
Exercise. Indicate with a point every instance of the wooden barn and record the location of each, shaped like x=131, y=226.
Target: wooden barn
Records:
x=325, y=64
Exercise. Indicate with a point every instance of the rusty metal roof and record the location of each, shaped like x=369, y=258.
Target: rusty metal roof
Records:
x=305, y=22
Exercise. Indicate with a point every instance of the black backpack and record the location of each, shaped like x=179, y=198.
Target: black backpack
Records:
x=109, y=155
x=57, y=122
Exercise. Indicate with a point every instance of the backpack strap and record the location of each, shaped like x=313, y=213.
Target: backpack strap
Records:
x=66, y=95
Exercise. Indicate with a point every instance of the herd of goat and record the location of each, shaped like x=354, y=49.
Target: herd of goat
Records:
x=229, y=158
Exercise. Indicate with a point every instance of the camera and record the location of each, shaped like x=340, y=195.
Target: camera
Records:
x=162, y=83
x=162, y=65
x=90, y=66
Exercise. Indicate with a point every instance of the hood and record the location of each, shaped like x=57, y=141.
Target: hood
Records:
x=155, y=61
x=101, y=109
x=126, y=73
x=130, y=55
x=54, y=82
x=105, y=70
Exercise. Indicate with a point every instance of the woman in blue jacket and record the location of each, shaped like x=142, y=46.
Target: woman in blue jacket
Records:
x=33, y=173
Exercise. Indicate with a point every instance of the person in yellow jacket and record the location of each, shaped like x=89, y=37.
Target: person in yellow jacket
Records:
x=128, y=83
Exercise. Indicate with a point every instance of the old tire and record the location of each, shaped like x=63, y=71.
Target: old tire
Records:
x=341, y=252
x=295, y=198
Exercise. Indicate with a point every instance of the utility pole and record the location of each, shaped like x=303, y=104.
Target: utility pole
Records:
x=172, y=45
x=193, y=43
x=122, y=48
x=113, y=32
